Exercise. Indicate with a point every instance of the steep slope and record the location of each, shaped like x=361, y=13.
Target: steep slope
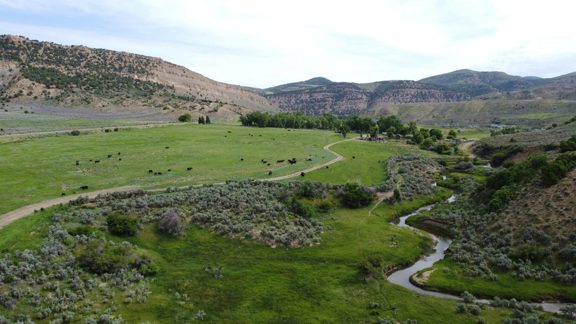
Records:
x=543, y=212
x=355, y=98
x=33, y=71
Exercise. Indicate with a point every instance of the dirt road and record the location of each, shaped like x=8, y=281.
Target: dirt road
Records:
x=22, y=212
x=15, y=215
x=338, y=158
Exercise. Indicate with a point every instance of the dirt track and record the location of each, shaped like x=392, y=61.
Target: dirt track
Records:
x=338, y=158
x=22, y=212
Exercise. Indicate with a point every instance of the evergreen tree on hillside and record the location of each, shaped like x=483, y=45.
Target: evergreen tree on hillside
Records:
x=201, y=120
x=207, y=121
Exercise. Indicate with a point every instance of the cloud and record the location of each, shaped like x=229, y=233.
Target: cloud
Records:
x=263, y=43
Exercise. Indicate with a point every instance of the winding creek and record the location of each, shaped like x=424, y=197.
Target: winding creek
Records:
x=402, y=276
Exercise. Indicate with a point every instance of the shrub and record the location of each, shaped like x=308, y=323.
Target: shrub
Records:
x=185, y=118
x=568, y=253
x=501, y=198
x=569, y=312
x=300, y=208
x=99, y=258
x=171, y=223
x=325, y=207
x=568, y=145
x=122, y=225
x=356, y=196
x=555, y=171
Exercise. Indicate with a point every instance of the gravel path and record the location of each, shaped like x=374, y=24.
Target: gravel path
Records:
x=22, y=212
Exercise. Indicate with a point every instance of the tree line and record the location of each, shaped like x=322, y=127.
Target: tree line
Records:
x=391, y=125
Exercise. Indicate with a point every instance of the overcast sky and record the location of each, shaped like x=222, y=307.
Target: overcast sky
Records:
x=265, y=43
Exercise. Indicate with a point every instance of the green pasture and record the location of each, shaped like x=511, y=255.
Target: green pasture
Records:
x=451, y=277
x=41, y=168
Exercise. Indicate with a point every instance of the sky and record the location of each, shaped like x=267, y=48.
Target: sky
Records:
x=265, y=43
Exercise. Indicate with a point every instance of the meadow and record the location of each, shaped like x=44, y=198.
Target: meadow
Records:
x=258, y=283
x=40, y=168
x=364, y=163
x=451, y=277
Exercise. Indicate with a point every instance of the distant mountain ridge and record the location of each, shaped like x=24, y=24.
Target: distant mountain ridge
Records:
x=34, y=71
x=313, y=97
x=297, y=86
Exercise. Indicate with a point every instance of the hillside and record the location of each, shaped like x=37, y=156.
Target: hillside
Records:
x=72, y=76
x=483, y=113
x=297, y=86
x=446, y=98
x=477, y=83
x=543, y=212
x=356, y=98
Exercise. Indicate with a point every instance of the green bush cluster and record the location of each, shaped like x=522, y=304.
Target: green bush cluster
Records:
x=122, y=225
x=354, y=195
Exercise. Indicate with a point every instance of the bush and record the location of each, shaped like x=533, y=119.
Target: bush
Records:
x=568, y=145
x=122, y=225
x=555, y=171
x=501, y=198
x=100, y=257
x=356, y=196
x=300, y=208
x=568, y=253
x=171, y=223
x=185, y=118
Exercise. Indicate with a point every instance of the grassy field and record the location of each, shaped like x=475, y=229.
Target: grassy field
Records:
x=449, y=276
x=41, y=168
x=260, y=284
x=365, y=162
x=266, y=285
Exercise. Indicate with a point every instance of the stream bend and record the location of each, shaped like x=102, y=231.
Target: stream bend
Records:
x=402, y=277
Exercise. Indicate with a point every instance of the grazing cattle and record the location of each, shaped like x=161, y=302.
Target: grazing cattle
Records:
x=169, y=170
x=302, y=174
x=353, y=156
x=97, y=161
x=119, y=159
x=309, y=159
x=150, y=171
x=167, y=147
x=269, y=172
x=229, y=132
x=268, y=164
x=241, y=159
x=106, y=131
x=327, y=167
x=63, y=194
x=119, y=153
x=279, y=161
x=90, y=160
x=77, y=162
x=83, y=187
x=188, y=168
x=292, y=161
x=116, y=129
x=109, y=155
